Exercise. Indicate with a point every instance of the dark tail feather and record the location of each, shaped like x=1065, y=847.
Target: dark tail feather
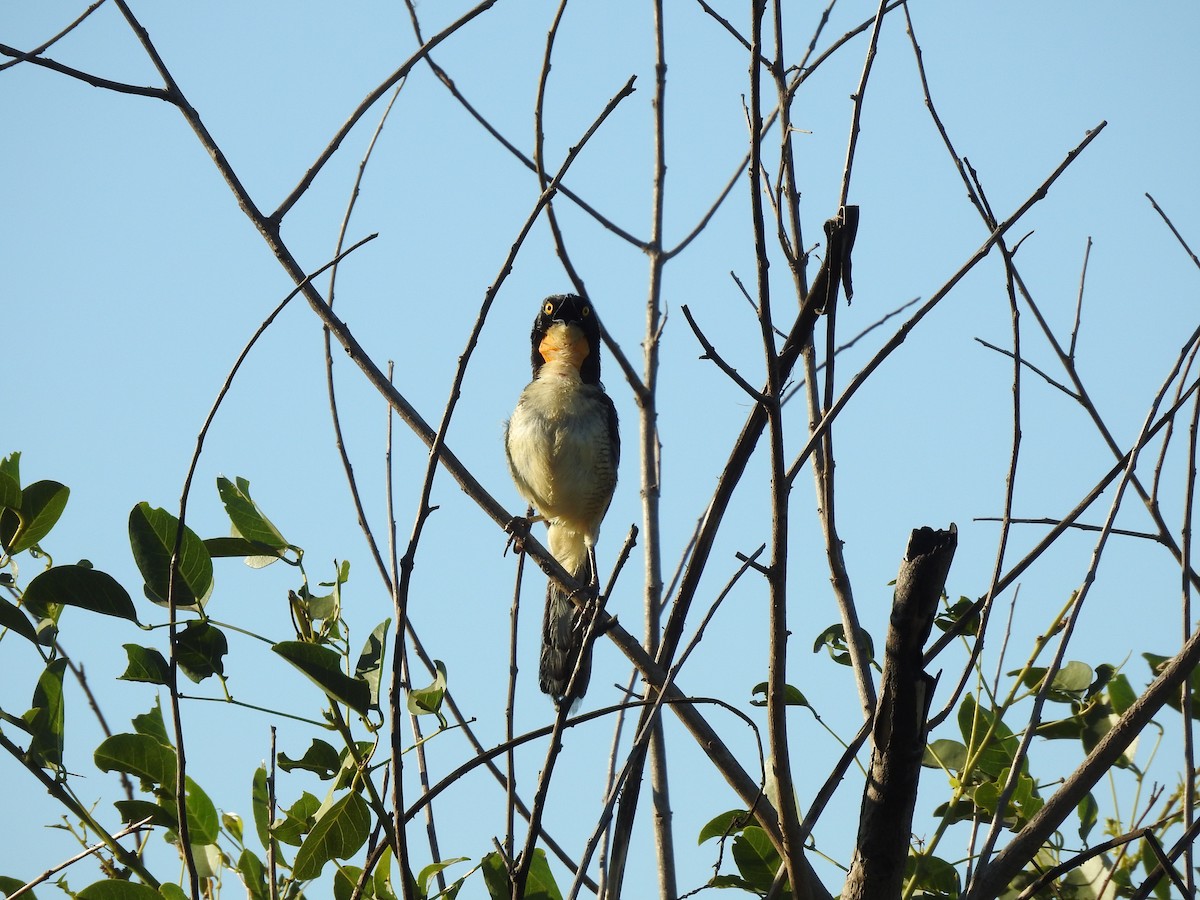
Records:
x=562, y=644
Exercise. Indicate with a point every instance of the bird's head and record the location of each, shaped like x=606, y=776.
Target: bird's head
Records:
x=566, y=330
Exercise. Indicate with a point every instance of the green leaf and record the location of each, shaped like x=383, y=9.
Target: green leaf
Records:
x=1022, y=804
x=172, y=891
x=248, y=520
x=1157, y=664
x=540, y=884
x=1121, y=694
x=224, y=547
x=426, y=875
x=203, y=820
x=338, y=834
x=951, y=616
x=323, y=607
x=253, y=874
x=139, y=755
x=153, y=724
x=732, y=881
x=199, y=649
x=261, y=807
x=833, y=639
x=204, y=824
x=756, y=857
x=1075, y=677
x=1069, y=684
x=950, y=754
x=11, y=617
x=370, y=661
x=428, y=700
x=41, y=505
x=345, y=880
x=10, y=885
x=297, y=820
x=78, y=586
x=791, y=696
x=232, y=823
x=726, y=823
x=152, y=533
x=1104, y=674
x=136, y=810
x=1070, y=728
x=495, y=876
x=381, y=880
x=118, y=890
x=45, y=717
x=321, y=758
x=1095, y=722
x=1089, y=813
x=10, y=491
x=11, y=466
x=324, y=667
x=934, y=876
x=974, y=723
x=145, y=664
x=349, y=775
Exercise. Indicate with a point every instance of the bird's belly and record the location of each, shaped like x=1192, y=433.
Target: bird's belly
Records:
x=561, y=461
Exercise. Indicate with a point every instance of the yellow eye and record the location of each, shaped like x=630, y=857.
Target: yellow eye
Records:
x=587, y=311
x=548, y=308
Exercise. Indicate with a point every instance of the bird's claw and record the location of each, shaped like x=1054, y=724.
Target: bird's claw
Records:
x=518, y=530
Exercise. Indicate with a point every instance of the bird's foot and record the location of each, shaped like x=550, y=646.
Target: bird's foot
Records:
x=518, y=529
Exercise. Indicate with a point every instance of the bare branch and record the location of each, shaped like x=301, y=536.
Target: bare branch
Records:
x=1174, y=231
x=118, y=87
x=47, y=44
x=84, y=854
x=906, y=690
x=1087, y=252
x=710, y=353
x=898, y=338
x=369, y=101
x=1024, y=362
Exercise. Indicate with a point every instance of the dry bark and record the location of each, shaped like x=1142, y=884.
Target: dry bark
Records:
x=899, y=731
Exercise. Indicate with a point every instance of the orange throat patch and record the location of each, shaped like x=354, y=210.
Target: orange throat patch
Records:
x=565, y=343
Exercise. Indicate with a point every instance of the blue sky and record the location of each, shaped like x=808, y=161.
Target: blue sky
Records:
x=132, y=281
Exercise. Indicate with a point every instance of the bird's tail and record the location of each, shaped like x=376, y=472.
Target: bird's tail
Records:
x=562, y=628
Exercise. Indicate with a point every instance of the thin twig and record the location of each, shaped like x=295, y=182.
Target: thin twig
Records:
x=107, y=84
x=1024, y=362
x=1063, y=524
x=84, y=854
x=1158, y=209
x=1079, y=526
x=528, y=163
x=1087, y=252
x=902, y=333
x=779, y=759
x=710, y=353
x=339, y=441
x=388, y=83
x=64, y=795
x=400, y=680
x=650, y=479
x=1016, y=853
x=857, y=97
x=1187, y=698
x=47, y=44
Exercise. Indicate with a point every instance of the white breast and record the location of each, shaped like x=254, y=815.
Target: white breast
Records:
x=559, y=451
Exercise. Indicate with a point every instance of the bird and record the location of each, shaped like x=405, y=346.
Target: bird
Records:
x=563, y=448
